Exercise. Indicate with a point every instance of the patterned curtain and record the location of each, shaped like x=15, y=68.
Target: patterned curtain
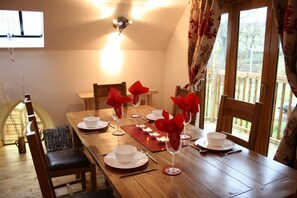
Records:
x=285, y=12
x=205, y=19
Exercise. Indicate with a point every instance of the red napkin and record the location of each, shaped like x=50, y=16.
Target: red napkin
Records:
x=116, y=100
x=187, y=103
x=173, y=127
x=137, y=89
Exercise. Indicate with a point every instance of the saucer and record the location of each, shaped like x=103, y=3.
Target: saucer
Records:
x=139, y=160
x=202, y=142
x=153, y=117
x=100, y=125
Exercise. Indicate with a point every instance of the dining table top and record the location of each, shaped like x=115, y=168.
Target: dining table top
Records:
x=203, y=174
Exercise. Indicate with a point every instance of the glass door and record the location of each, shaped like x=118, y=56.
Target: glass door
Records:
x=250, y=51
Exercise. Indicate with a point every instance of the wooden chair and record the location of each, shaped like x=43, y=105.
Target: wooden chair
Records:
x=179, y=91
x=42, y=169
x=64, y=162
x=101, y=92
x=231, y=108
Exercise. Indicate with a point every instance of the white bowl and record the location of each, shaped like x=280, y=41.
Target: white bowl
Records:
x=216, y=138
x=125, y=153
x=157, y=113
x=91, y=121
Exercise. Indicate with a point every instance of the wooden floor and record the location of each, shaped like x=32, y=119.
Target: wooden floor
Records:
x=18, y=177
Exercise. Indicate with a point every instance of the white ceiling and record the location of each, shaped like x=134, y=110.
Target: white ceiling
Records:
x=87, y=24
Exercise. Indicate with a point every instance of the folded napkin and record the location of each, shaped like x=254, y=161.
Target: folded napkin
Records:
x=116, y=100
x=173, y=127
x=188, y=103
x=137, y=89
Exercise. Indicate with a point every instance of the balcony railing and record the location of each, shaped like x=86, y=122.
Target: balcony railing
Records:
x=248, y=89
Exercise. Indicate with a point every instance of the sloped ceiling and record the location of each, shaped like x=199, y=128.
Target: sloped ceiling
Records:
x=87, y=24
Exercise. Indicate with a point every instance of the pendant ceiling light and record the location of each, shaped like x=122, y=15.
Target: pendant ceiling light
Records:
x=121, y=23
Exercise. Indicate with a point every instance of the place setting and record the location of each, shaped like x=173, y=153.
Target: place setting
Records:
x=127, y=159
x=92, y=124
x=155, y=115
x=215, y=142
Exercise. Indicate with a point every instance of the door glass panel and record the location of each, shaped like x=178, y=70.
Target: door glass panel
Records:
x=284, y=103
x=215, y=75
x=252, y=25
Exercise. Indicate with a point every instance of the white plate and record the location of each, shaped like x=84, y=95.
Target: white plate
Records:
x=100, y=125
x=153, y=117
x=228, y=144
x=139, y=160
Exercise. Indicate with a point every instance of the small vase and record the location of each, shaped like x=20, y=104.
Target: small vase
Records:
x=20, y=143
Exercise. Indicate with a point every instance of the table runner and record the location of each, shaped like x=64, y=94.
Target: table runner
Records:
x=144, y=138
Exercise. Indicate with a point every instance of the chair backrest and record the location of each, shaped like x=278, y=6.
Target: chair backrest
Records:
x=39, y=160
x=30, y=112
x=231, y=108
x=101, y=92
x=57, y=139
x=179, y=91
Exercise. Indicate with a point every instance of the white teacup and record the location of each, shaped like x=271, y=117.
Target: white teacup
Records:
x=125, y=153
x=91, y=121
x=157, y=113
x=216, y=138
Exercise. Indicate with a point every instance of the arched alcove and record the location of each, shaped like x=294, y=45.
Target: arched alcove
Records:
x=13, y=120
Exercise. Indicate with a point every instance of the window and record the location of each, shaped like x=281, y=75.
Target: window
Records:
x=21, y=29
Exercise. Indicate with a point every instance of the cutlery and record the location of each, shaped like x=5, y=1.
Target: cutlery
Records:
x=144, y=119
x=137, y=173
x=231, y=152
x=197, y=148
x=112, y=126
x=149, y=156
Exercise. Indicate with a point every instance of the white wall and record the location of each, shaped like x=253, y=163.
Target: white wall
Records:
x=53, y=78
x=176, y=70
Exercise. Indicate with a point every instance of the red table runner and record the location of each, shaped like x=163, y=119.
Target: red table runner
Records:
x=144, y=138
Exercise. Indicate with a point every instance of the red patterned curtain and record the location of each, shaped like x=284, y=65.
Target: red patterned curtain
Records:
x=285, y=12
x=205, y=19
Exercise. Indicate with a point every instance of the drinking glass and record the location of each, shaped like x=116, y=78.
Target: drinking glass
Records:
x=135, y=103
x=116, y=117
x=173, y=150
x=188, y=118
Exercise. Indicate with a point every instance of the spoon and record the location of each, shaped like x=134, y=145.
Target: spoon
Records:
x=197, y=148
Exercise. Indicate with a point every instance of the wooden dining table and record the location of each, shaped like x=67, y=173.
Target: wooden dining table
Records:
x=208, y=174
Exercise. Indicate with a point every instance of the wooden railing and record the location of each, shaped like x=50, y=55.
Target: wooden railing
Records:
x=248, y=89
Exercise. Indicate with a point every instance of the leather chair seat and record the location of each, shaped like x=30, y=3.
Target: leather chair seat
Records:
x=65, y=159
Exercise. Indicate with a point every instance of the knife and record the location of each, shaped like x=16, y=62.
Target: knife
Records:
x=151, y=157
x=231, y=152
x=137, y=173
x=112, y=126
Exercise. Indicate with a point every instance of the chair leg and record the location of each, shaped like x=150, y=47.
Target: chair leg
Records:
x=83, y=181
x=93, y=177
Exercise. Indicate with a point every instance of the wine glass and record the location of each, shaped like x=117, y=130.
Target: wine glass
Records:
x=135, y=104
x=188, y=118
x=173, y=146
x=117, y=115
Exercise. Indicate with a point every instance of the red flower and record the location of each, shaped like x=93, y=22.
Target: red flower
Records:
x=187, y=103
x=137, y=89
x=173, y=127
x=116, y=100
